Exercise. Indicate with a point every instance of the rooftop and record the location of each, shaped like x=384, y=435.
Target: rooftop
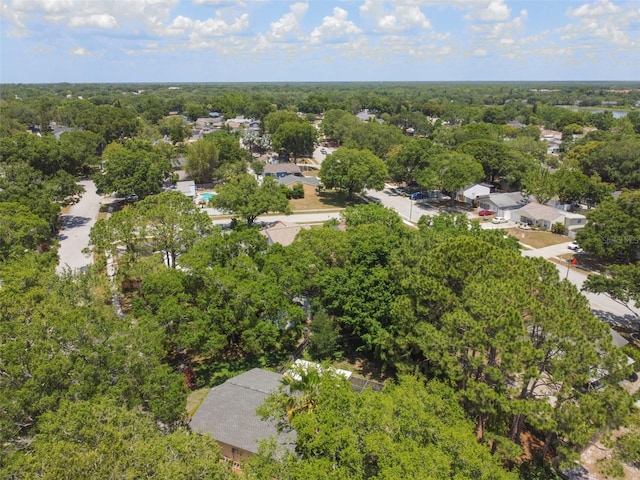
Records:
x=282, y=168
x=228, y=412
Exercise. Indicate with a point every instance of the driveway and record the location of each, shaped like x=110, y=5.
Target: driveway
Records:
x=76, y=225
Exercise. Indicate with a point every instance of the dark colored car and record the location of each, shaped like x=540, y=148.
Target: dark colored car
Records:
x=485, y=213
x=417, y=196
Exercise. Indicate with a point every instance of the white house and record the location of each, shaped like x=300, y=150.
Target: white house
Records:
x=545, y=217
x=469, y=194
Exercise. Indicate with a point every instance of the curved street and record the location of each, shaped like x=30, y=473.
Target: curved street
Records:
x=75, y=228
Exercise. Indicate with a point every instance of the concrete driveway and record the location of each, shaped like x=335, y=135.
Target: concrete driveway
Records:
x=76, y=225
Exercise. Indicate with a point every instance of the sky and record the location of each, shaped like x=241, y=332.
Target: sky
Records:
x=106, y=41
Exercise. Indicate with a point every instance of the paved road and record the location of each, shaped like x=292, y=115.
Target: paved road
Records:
x=407, y=209
x=301, y=218
x=76, y=225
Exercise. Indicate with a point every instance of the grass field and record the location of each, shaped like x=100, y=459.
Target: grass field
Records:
x=537, y=238
x=327, y=200
x=194, y=400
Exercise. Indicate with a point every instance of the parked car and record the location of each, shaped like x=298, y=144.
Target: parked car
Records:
x=132, y=197
x=485, y=213
x=417, y=196
x=573, y=246
x=499, y=220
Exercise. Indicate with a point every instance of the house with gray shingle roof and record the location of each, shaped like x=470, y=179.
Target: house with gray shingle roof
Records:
x=503, y=203
x=228, y=414
x=281, y=170
x=545, y=216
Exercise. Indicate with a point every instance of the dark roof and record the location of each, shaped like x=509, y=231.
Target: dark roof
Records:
x=228, y=412
x=282, y=168
x=291, y=179
x=505, y=200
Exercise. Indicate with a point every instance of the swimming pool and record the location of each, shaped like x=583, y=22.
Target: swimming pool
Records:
x=207, y=196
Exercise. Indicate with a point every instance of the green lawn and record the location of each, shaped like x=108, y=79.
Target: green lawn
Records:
x=537, y=238
x=327, y=200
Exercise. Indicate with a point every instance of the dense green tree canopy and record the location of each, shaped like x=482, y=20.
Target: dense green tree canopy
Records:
x=247, y=199
x=337, y=124
x=202, y=160
x=373, y=136
x=295, y=139
x=60, y=340
x=616, y=161
x=132, y=167
x=101, y=439
x=273, y=120
x=613, y=229
x=20, y=230
x=169, y=222
x=110, y=122
x=175, y=128
x=411, y=430
x=350, y=171
x=406, y=161
x=451, y=172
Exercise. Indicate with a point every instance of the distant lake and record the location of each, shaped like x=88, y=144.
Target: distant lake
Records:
x=616, y=113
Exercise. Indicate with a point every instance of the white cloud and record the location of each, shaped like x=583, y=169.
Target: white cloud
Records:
x=600, y=23
x=88, y=13
x=218, y=26
x=480, y=52
x=404, y=16
x=104, y=21
x=335, y=27
x=80, y=51
x=289, y=23
x=180, y=26
x=491, y=11
x=597, y=9
x=496, y=11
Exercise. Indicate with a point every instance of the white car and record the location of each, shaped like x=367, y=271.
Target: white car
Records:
x=499, y=220
x=573, y=246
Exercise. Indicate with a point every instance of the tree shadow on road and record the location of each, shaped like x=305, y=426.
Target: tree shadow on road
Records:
x=72, y=221
x=627, y=325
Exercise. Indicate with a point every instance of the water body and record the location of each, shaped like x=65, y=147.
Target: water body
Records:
x=616, y=113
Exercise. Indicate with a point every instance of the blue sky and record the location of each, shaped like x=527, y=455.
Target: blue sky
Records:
x=78, y=41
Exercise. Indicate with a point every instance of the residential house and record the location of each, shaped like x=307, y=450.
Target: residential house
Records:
x=279, y=170
x=208, y=124
x=310, y=185
x=365, y=116
x=473, y=193
x=545, y=216
x=280, y=232
x=553, y=139
x=503, y=203
x=228, y=414
x=241, y=122
x=187, y=187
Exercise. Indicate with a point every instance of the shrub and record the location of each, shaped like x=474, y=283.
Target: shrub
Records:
x=558, y=228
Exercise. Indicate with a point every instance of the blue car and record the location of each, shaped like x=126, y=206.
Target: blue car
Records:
x=417, y=196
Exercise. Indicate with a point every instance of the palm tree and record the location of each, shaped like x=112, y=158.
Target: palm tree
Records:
x=304, y=382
